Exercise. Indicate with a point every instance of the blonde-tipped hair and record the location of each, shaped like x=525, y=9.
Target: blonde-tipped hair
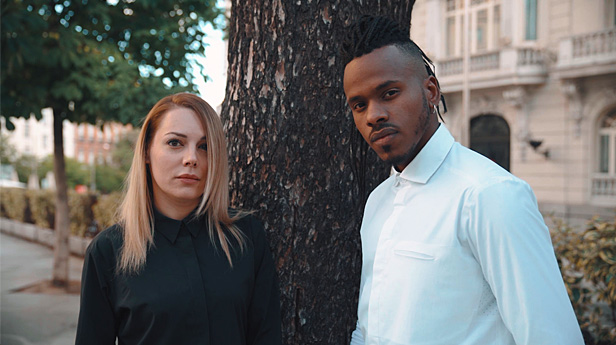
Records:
x=136, y=214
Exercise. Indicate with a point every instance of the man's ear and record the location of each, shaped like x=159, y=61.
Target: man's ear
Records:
x=433, y=94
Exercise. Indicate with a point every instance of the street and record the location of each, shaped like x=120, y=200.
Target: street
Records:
x=34, y=318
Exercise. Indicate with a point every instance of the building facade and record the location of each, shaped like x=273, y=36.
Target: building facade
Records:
x=532, y=85
x=95, y=143
x=35, y=137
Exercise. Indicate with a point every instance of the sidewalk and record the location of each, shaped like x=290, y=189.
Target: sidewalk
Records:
x=29, y=318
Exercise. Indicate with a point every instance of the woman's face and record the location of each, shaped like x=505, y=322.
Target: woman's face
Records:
x=177, y=159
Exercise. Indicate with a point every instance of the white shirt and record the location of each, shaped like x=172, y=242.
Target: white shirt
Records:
x=455, y=252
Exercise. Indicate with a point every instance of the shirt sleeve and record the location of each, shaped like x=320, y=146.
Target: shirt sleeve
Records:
x=510, y=240
x=357, y=337
x=96, y=325
x=264, y=326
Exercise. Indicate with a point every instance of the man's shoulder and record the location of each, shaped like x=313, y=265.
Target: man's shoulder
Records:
x=476, y=170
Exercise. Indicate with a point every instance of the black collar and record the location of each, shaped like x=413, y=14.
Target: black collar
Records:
x=170, y=228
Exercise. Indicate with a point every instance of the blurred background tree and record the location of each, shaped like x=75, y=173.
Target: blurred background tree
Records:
x=94, y=61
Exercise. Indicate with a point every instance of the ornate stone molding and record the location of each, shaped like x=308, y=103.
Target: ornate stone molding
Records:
x=517, y=98
x=573, y=94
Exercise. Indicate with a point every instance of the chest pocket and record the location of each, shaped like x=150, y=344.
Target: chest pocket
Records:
x=421, y=282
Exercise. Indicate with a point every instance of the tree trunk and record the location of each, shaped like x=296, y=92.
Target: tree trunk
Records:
x=296, y=157
x=62, y=225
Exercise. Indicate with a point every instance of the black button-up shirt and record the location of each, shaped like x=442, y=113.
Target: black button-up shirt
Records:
x=185, y=294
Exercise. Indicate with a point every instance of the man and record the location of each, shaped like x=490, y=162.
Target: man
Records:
x=455, y=251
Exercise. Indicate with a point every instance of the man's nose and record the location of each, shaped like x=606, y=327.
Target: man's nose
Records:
x=376, y=113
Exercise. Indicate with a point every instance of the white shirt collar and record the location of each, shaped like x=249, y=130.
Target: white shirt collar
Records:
x=431, y=156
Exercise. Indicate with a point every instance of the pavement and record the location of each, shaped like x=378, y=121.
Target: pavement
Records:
x=34, y=318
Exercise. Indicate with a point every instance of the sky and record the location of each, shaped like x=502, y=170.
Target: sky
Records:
x=215, y=62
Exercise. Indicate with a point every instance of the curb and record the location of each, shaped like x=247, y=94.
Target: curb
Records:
x=30, y=232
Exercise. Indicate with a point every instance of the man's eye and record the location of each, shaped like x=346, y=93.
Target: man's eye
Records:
x=174, y=142
x=391, y=93
x=359, y=106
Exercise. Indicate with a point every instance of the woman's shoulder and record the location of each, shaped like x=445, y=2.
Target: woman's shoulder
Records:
x=108, y=241
x=248, y=224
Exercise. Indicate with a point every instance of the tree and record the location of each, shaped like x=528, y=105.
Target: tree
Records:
x=296, y=157
x=93, y=61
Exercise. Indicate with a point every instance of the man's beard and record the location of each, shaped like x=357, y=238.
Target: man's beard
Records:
x=419, y=131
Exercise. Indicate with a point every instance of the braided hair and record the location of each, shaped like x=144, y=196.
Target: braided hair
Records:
x=373, y=32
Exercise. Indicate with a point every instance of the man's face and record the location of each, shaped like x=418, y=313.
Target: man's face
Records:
x=391, y=99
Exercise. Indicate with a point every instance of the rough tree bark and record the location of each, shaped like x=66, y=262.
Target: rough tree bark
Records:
x=296, y=158
x=62, y=227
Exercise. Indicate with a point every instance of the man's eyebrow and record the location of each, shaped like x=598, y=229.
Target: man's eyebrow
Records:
x=378, y=88
x=385, y=84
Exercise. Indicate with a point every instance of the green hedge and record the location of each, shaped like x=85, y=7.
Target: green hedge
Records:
x=38, y=207
x=587, y=261
x=105, y=209
x=15, y=204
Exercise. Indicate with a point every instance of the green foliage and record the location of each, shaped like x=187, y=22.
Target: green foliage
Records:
x=588, y=264
x=76, y=173
x=122, y=155
x=7, y=151
x=25, y=165
x=105, y=209
x=109, y=178
x=96, y=60
x=80, y=212
x=15, y=204
x=42, y=204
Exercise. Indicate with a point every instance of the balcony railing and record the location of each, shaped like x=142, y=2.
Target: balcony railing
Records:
x=603, y=186
x=499, y=68
x=588, y=50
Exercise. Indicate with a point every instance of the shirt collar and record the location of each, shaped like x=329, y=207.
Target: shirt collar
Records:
x=431, y=156
x=170, y=228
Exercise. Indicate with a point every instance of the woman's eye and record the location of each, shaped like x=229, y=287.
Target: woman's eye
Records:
x=174, y=142
x=203, y=146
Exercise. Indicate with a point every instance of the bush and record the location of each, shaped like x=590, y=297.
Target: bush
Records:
x=105, y=209
x=42, y=204
x=80, y=212
x=15, y=204
x=588, y=265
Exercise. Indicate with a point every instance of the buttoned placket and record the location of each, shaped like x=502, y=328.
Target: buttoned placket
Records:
x=198, y=323
x=383, y=255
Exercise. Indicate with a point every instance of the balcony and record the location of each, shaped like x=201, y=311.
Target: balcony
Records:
x=509, y=66
x=587, y=55
x=603, y=190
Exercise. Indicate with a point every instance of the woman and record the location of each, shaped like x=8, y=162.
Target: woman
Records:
x=179, y=267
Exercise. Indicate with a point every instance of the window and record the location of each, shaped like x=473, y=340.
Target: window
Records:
x=531, y=20
x=482, y=30
x=81, y=131
x=451, y=36
x=484, y=21
x=496, y=27
x=607, y=144
x=603, y=188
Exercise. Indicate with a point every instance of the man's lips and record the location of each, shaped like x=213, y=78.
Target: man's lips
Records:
x=381, y=134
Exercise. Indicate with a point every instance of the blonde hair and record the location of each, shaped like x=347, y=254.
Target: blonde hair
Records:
x=136, y=214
